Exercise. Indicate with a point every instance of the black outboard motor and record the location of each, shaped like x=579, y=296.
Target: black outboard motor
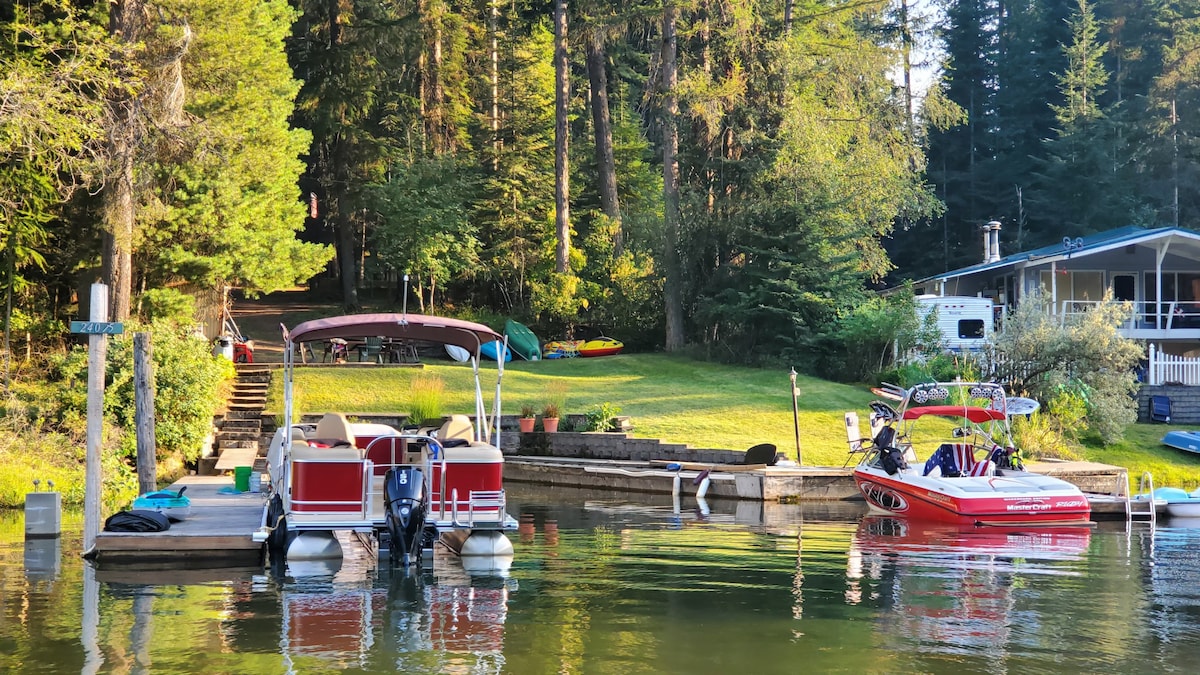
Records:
x=405, y=498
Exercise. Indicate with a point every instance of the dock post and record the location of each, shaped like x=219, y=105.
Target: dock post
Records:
x=97, y=356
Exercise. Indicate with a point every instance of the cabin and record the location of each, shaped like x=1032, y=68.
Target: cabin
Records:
x=1157, y=270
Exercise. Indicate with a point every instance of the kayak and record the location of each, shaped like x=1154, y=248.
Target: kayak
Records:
x=522, y=341
x=601, y=346
x=491, y=349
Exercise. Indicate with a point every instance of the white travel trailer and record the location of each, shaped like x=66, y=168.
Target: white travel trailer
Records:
x=965, y=322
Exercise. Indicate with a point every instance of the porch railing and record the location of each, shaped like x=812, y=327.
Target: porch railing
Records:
x=1167, y=368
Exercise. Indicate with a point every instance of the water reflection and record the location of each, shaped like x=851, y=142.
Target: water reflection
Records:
x=602, y=585
x=337, y=615
x=954, y=590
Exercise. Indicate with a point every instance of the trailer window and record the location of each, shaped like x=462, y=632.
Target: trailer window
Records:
x=970, y=328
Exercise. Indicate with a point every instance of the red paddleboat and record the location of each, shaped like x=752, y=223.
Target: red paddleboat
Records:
x=972, y=474
x=601, y=346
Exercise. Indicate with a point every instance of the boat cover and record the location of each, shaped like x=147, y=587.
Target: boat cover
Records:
x=137, y=521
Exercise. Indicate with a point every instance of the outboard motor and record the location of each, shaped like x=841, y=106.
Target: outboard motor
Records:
x=405, y=498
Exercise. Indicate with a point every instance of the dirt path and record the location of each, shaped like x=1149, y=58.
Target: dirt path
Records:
x=260, y=319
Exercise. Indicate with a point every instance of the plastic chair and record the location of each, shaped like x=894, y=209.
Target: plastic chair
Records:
x=1160, y=409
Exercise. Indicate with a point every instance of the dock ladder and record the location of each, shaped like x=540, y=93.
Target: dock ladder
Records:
x=1133, y=507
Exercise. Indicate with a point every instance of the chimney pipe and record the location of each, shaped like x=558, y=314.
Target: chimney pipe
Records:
x=994, y=253
x=987, y=242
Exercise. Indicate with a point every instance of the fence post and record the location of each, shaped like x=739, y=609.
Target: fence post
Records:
x=1152, y=374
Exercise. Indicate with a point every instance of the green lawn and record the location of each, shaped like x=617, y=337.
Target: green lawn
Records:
x=681, y=400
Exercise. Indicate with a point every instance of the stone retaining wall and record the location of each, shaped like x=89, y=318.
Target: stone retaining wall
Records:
x=612, y=446
x=1185, y=402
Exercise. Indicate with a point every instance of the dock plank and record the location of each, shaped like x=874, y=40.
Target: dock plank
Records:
x=220, y=528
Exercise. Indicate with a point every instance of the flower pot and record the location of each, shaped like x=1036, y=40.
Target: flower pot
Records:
x=550, y=424
x=526, y=424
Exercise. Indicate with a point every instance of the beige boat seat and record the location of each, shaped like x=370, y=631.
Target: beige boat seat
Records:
x=457, y=430
x=337, y=452
x=333, y=429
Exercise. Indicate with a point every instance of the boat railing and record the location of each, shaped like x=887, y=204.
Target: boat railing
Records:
x=478, y=506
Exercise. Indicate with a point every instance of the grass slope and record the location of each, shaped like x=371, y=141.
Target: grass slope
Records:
x=676, y=399
x=680, y=400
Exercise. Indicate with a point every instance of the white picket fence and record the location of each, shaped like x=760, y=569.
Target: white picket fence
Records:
x=1166, y=368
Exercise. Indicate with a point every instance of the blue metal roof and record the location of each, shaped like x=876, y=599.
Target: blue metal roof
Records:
x=1086, y=245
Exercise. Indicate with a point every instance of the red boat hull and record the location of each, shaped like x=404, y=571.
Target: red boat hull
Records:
x=905, y=499
x=605, y=351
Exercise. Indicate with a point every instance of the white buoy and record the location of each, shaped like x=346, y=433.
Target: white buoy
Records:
x=486, y=543
x=314, y=545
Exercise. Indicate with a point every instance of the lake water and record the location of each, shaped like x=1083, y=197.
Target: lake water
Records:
x=610, y=583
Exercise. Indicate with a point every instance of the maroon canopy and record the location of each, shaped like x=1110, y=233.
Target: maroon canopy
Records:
x=466, y=334
x=973, y=413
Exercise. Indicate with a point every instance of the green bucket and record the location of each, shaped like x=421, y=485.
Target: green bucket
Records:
x=241, y=478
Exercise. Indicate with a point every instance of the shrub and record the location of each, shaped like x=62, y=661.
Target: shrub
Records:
x=600, y=417
x=1041, y=436
x=425, y=398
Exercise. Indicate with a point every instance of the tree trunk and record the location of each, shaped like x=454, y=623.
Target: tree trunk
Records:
x=562, y=175
x=339, y=171
x=602, y=128
x=126, y=24
x=672, y=292
x=494, y=29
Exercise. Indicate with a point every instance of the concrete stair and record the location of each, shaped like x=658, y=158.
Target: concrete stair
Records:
x=239, y=429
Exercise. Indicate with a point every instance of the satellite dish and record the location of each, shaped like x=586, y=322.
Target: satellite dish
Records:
x=1066, y=242
x=1079, y=242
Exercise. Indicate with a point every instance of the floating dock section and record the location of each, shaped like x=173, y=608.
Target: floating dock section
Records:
x=217, y=533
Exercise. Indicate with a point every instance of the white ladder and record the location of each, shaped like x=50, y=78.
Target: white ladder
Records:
x=1145, y=486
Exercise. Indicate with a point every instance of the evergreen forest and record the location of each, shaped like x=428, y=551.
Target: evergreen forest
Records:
x=733, y=176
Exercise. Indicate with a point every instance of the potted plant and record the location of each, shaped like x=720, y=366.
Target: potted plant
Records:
x=550, y=418
x=528, y=418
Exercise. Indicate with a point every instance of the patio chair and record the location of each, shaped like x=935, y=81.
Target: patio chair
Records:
x=1160, y=409
x=371, y=349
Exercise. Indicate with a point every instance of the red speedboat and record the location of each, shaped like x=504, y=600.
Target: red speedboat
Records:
x=970, y=474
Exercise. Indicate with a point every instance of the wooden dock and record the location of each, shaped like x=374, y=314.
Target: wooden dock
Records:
x=1104, y=485
x=218, y=532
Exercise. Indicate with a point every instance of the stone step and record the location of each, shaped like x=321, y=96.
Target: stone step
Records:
x=243, y=415
x=261, y=400
x=226, y=444
x=237, y=436
x=254, y=379
x=252, y=368
x=250, y=389
x=247, y=406
x=241, y=425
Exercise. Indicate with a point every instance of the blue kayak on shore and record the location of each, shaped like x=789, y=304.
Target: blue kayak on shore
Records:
x=1188, y=441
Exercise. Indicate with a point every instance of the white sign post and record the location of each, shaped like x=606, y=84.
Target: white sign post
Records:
x=97, y=357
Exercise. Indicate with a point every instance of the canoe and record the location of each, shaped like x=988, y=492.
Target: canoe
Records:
x=601, y=346
x=491, y=349
x=522, y=341
x=1188, y=441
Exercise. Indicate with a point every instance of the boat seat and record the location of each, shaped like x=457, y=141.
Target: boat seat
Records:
x=953, y=459
x=332, y=430
x=337, y=452
x=984, y=467
x=456, y=431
